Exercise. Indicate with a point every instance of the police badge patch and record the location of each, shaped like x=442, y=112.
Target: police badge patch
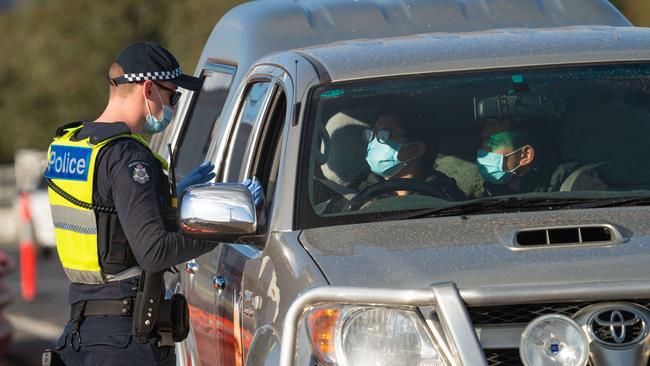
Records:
x=139, y=171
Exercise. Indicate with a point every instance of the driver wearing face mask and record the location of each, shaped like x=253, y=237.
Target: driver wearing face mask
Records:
x=391, y=153
x=510, y=163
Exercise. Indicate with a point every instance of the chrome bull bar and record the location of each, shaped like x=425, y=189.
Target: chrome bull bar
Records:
x=464, y=346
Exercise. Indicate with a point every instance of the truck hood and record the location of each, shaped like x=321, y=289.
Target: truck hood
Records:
x=477, y=251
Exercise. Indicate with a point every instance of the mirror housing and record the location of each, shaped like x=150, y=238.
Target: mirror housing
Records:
x=217, y=211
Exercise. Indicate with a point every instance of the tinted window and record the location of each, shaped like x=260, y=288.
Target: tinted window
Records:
x=249, y=117
x=545, y=138
x=203, y=119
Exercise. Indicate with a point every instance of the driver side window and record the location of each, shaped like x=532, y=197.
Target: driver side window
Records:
x=253, y=105
x=266, y=160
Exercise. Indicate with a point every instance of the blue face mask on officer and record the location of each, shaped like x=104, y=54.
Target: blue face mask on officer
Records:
x=154, y=125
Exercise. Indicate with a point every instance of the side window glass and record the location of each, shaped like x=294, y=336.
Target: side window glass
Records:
x=202, y=120
x=250, y=113
x=267, y=156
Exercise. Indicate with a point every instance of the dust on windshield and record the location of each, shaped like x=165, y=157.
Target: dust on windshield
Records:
x=418, y=142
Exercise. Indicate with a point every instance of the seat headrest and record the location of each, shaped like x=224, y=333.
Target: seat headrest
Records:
x=346, y=159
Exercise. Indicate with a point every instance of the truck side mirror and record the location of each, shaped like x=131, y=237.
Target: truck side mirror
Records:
x=218, y=211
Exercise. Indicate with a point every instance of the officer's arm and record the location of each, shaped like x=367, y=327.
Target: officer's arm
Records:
x=134, y=185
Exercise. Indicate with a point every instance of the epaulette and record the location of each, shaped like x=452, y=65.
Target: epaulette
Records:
x=62, y=130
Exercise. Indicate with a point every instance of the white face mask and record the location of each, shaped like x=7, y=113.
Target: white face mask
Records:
x=154, y=125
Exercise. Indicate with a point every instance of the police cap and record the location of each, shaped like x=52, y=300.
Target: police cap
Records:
x=150, y=61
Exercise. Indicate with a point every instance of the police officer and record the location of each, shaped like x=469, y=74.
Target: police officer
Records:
x=112, y=207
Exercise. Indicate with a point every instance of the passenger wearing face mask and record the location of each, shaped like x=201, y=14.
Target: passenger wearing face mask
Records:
x=392, y=153
x=113, y=211
x=510, y=163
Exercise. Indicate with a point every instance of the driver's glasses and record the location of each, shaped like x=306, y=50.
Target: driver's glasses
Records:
x=174, y=95
x=383, y=136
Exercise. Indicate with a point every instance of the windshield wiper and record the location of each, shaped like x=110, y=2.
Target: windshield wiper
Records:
x=506, y=204
x=486, y=205
x=611, y=202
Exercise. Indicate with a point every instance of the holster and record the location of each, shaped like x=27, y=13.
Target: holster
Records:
x=51, y=358
x=153, y=315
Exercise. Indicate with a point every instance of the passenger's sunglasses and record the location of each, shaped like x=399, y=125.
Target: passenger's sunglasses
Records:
x=174, y=95
x=383, y=136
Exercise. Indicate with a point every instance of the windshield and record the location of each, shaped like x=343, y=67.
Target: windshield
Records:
x=377, y=148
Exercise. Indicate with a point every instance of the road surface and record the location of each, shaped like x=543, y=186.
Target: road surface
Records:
x=38, y=323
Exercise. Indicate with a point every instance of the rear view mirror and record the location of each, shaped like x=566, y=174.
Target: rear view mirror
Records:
x=218, y=211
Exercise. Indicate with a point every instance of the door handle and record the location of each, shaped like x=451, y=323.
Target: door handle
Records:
x=220, y=283
x=191, y=267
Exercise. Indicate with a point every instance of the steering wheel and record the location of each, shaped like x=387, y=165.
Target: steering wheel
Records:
x=394, y=185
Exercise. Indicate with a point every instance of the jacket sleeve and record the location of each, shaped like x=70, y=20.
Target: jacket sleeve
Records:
x=133, y=176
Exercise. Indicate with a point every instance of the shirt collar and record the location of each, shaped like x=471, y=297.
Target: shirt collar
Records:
x=100, y=131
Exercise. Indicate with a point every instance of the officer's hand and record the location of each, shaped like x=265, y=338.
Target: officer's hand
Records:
x=256, y=189
x=202, y=174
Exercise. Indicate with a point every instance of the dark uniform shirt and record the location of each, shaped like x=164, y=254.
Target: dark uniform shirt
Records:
x=129, y=178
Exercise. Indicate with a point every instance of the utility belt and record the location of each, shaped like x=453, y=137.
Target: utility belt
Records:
x=171, y=322
x=153, y=316
x=86, y=308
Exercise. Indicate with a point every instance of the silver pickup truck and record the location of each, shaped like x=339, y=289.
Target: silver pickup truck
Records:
x=447, y=182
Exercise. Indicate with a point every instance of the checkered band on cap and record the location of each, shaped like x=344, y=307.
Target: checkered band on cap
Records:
x=156, y=75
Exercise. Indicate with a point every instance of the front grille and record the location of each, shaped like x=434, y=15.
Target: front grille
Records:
x=509, y=314
x=503, y=357
x=524, y=313
x=510, y=357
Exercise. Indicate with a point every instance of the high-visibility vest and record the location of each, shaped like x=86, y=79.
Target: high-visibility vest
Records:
x=71, y=169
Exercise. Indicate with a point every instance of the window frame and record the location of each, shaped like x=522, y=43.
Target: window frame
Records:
x=225, y=169
x=268, y=134
x=261, y=135
x=268, y=153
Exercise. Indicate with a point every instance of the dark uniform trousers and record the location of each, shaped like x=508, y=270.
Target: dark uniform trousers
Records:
x=106, y=340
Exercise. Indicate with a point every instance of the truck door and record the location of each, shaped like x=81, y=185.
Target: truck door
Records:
x=265, y=161
x=193, y=141
x=263, y=105
x=232, y=257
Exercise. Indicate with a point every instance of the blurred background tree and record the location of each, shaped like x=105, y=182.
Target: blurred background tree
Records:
x=55, y=55
x=637, y=11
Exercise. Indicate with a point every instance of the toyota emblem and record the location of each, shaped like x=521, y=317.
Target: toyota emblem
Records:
x=617, y=326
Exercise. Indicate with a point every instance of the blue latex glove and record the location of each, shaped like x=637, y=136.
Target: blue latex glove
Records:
x=202, y=174
x=256, y=189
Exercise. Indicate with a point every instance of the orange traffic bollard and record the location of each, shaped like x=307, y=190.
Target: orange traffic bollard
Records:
x=27, y=250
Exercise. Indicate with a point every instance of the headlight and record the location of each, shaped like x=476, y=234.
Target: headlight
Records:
x=554, y=340
x=371, y=336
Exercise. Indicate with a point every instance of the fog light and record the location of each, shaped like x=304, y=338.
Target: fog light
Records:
x=554, y=340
